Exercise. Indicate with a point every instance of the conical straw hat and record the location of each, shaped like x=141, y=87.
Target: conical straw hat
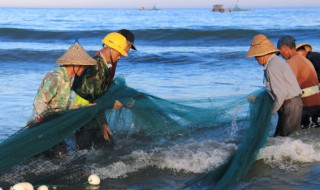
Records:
x=306, y=46
x=76, y=55
x=261, y=45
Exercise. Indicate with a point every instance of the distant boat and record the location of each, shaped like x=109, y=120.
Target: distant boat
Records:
x=237, y=8
x=141, y=8
x=219, y=8
x=154, y=8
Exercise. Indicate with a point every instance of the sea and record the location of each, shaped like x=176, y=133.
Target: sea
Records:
x=183, y=54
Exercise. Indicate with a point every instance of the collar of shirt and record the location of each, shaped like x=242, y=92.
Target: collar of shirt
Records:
x=64, y=73
x=109, y=65
x=266, y=65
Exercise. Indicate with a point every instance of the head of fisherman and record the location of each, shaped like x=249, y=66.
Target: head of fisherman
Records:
x=303, y=49
x=130, y=39
x=77, y=59
x=261, y=48
x=114, y=46
x=287, y=46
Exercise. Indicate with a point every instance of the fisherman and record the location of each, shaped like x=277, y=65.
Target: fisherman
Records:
x=281, y=84
x=307, y=79
x=54, y=93
x=95, y=81
x=305, y=50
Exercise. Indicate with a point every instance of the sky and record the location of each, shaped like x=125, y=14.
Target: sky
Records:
x=158, y=3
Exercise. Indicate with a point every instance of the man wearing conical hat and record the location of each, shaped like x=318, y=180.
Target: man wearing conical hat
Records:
x=281, y=84
x=54, y=92
x=307, y=78
x=94, y=82
x=305, y=50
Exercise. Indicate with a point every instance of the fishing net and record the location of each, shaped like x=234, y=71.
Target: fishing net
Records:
x=148, y=116
x=238, y=165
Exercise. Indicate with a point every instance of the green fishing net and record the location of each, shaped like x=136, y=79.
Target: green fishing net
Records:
x=147, y=116
x=255, y=138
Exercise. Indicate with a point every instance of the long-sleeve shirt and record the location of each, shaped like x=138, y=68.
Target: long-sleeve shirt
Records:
x=280, y=81
x=94, y=81
x=306, y=76
x=53, y=94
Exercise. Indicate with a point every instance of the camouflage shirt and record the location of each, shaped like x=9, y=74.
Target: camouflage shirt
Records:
x=94, y=81
x=53, y=94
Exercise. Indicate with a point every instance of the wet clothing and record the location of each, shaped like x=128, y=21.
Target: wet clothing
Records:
x=91, y=135
x=53, y=94
x=306, y=76
x=284, y=89
x=314, y=57
x=289, y=116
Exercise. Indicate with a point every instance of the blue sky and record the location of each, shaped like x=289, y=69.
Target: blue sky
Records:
x=158, y=3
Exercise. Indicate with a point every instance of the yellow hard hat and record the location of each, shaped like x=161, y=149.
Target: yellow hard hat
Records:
x=117, y=42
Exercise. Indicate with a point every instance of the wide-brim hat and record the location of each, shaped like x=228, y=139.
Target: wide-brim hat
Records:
x=306, y=46
x=260, y=46
x=76, y=55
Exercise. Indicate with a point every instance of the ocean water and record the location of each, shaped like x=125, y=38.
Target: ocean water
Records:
x=183, y=54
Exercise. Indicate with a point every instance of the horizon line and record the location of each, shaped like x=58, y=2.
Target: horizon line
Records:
x=274, y=7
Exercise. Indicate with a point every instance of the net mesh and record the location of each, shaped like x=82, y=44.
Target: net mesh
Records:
x=150, y=117
x=255, y=138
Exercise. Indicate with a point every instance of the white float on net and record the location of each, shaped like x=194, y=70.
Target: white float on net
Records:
x=93, y=179
x=22, y=186
x=43, y=187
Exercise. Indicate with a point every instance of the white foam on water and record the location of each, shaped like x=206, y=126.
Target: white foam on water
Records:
x=131, y=163
x=285, y=153
x=195, y=157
